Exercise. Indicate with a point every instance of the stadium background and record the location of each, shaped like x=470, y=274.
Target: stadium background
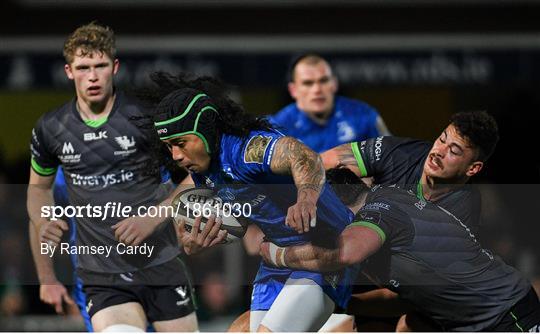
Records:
x=417, y=62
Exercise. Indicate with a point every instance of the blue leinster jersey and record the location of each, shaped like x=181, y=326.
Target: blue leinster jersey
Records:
x=351, y=120
x=242, y=175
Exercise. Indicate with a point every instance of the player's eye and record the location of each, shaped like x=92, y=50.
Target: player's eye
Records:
x=179, y=144
x=455, y=151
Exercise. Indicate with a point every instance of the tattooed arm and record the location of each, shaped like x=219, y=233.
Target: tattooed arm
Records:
x=356, y=244
x=340, y=157
x=294, y=158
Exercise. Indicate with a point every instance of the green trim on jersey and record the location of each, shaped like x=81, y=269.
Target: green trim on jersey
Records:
x=516, y=320
x=420, y=191
x=41, y=170
x=372, y=226
x=96, y=123
x=179, y=117
x=359, y=160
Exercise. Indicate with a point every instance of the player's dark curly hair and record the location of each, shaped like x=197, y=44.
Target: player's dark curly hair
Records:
x=232, y=118
x=347, y=186
x=480, y=129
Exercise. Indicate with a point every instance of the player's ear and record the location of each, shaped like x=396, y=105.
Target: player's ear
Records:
x=116, y=66
x=69, y=73
x=292, y=89
x=335, y=84
x=475, y=168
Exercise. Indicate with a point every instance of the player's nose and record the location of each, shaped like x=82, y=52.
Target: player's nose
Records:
x=93, y=75
x=177, y=154
x=440, y=150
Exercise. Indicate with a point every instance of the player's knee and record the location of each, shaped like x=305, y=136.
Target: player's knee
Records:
x=122, y=328
x=402, y=325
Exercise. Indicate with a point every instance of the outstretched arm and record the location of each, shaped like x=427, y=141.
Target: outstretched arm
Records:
x=291, y=157
x=341, y=156
x=355, y=245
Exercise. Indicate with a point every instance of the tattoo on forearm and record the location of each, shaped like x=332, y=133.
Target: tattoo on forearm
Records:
x=345, y=156
x=305, y=166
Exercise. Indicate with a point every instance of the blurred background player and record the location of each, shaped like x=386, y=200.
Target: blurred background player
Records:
x=318, y=117
x=103, y=156
x=431, y=260
x=226, y=149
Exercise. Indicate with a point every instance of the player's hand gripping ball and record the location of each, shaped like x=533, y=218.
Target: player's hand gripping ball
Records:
x=202, y=202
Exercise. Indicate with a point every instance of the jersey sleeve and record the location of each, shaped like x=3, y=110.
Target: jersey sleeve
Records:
x=376, y=156
x=391, y=224
x=43, y=160
x=256, y=154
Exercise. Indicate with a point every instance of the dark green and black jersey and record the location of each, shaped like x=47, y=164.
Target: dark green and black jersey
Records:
x=435, y=262
x=394, y=160
x=103, y=162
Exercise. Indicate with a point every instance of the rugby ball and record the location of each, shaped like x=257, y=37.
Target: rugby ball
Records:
x=203, y=202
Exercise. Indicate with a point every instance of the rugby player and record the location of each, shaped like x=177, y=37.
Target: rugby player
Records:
x=104, y=157
x=318, y=117
x=436, y=172
x=241, y=157
x=432, y=261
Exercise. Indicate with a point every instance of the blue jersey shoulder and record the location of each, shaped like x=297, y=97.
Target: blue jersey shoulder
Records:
x=243, y=159
x=248, y=159
x=286, y=117
x=352, y=106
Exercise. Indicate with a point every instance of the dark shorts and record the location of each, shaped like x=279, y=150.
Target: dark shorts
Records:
x=164, y=291
x=522, y=317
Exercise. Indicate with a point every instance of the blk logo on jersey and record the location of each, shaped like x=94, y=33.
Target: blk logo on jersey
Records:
x=126, y=144
x=95, y=136
x=68, y=154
